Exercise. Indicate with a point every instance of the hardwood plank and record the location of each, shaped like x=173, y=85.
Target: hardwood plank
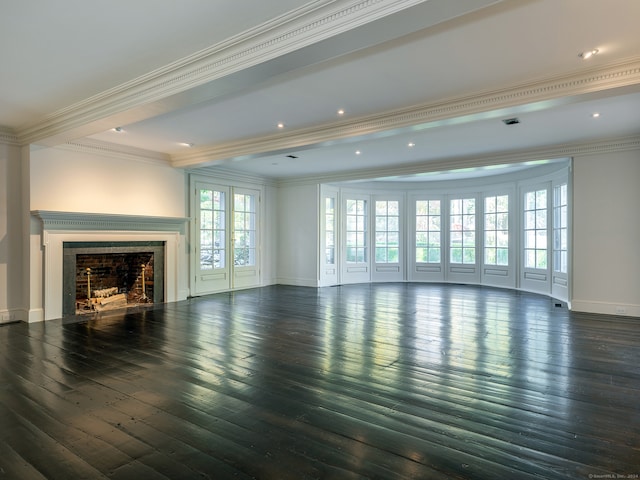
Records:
x=385, y=381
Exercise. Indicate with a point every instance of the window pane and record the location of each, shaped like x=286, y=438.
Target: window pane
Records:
x=530, y=258
x=490, y=204
x=530, y=220
x=462, y=229
x=560, y=228
x=393, y=239
x=434, y=239
x=206, y=219
x=206, y=238
x=530, y=239
x=502, y=239
x=330, y=256
x=238, y=202
x=503, y=203
x=490, y=221
x=427, y=231
x=502, y=221
x=469, y=255
x=490, y=239
x=206, y=199
x=530, y=201
x=329, y=205
x=329, y=239
x=536, y=240
x=541, y=259
x=356, y=230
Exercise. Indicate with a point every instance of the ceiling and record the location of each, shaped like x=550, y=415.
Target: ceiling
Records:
x=424, y=85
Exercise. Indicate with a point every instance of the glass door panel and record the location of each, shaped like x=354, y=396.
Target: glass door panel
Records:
x=246, y=272
x=211, y=249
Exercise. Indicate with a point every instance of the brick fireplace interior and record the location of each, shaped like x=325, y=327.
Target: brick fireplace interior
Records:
x=100, y=276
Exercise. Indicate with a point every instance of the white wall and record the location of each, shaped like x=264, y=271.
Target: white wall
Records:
x=69, y=181
x=11, y=225
x=298, y=235
x=606, y=228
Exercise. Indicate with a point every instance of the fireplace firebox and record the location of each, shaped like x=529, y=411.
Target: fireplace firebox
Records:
x=101, y=276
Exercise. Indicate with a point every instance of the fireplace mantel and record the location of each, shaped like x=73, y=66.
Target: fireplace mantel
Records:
x=53, y=220
x=61, y=227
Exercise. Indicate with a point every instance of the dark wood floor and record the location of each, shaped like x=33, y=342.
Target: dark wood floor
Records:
x=383, y=381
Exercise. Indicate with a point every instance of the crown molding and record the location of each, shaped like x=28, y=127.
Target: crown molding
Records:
x=220, y=173
x=515, y=156
x=304, y=26
x=96, y=147
x=8, y=136
x=538, y=95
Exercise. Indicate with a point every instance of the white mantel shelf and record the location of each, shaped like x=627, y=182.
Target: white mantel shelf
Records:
x=53, y=220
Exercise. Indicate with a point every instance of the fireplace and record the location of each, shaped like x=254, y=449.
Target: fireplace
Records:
x=66, y=237
x=101, y=276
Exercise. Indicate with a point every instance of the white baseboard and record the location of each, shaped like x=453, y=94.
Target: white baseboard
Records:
x=298, y=282
x=15, y=315
x=35, y=315
x=606, y=308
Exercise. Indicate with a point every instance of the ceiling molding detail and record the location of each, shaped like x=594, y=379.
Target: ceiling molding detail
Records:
x=8, y=137
x=221, y=173
x=96, y=147
x=312, y=23
x=545, y=153
x=538, y=95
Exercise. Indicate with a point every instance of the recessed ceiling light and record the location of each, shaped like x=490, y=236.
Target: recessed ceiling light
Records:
x=411, y=145
x=595, y=115
x=358, y=152
x=341, y=112
x=280, y=125
x=588, y=54
x=185, y=144
x=117, y=129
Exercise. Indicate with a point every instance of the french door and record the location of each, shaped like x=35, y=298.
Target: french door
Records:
x=536, y=264
x=225, y=238
x=356, y=264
